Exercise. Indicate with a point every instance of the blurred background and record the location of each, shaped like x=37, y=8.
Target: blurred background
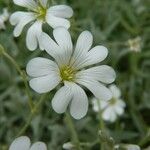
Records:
x=123, y=26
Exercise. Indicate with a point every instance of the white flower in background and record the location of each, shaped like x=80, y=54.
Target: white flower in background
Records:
x=110, y=109
x=135, y=44
x=68, y=146
x=128, y=147
x=24, y=143
x=69, y=70
x=39, y=13
x=3, y=18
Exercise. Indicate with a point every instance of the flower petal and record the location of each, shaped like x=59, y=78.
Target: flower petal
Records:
x=44, y=84
x=101, y=73
x=50, y=45
x=62, y=99
x=31, y=4
x=109, y=115
x=20, y=19
x=38, y=146
x=79, y=103
x=119, y=110
x=84, y=43
x=43, y=3
x=62, y=11
x=56, y=22
x=33, y=36
x=95, y=55
x=98, y=89
x=63, y=38
x=115, y=91
x=20, y=143
x=41, y=67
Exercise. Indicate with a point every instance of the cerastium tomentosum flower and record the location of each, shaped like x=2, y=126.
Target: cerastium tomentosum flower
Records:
x=69, y=70
x=112, y=108
x=24, y=143
x=39, y=13
x=3, y=18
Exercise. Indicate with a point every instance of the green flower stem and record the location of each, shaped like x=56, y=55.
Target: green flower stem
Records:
x=22, y=74
x=101, y=123
x=136, y=116
x=73, y=132
x=32, y=114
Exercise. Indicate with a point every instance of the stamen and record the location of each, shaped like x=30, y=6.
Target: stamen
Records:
x=67, y=73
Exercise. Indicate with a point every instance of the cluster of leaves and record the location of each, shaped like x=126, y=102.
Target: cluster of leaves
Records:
x=112, y=23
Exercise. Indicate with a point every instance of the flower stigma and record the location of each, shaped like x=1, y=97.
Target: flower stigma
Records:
x=67, y=73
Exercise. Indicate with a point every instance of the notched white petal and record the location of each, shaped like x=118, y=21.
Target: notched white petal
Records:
x=20, y=143
x=56, y=22
x=20, y=19
x=103, y=73
x=31, y=4
x=39, y=66
x=44, y=84
x=62, y=11
x=79, y=103
x=33, y=36
x=61, y=99
x=98, y=89
x=38, y=146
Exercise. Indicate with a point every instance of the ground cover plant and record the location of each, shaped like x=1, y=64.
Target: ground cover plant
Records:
x=102, y=102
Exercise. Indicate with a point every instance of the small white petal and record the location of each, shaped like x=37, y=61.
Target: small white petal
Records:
x=31, y=4
x=33, y=36
x=98, y=89
x=84, y=43
x=43, y=3
x=115, y=91
x=62, y=11
x=95, y=104
x=38, y=146
x=50, y=45
x=20, y=143
x=63, y=38
x=41, y=67
x=68, y=146
x=56, y=22
x=96, y=55
x=61, y=99
x=44, y=84
x=20, y=19
x=109, y=115
x=79, y=103
x=119, y=110
x=101, y=73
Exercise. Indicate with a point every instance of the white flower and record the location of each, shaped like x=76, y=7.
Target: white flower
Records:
x=112, y=108
x=135, y=44
x=39, y=13
x=69, y=70
x=3, y=18
x=128, y=147
x=24, y=143
x=132, y=147
x=68, y=146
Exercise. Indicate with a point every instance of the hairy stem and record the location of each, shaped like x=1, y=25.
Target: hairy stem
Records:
x=32, y=114
x=22, y=74
x=73, y=132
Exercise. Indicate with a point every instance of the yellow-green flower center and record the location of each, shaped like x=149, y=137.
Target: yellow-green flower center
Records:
x=41, y=13
x=112, y=101
x=67, y=73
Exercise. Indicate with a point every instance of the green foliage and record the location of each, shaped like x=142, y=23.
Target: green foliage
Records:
x=113, y=23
